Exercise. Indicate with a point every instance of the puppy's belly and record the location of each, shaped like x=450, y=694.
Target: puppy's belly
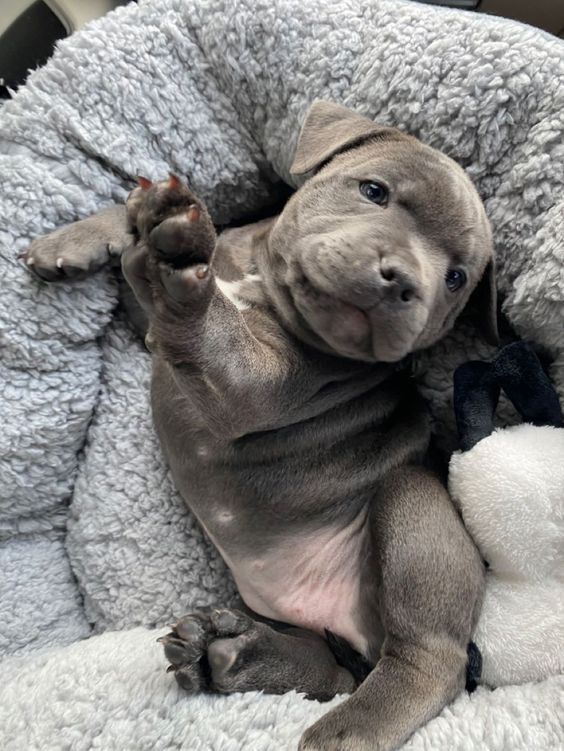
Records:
x=311, y=581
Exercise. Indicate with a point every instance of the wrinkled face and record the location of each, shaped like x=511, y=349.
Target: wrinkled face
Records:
x=376, y=255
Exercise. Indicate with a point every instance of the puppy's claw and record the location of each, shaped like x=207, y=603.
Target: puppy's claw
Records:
x=59, y=263
x=193, y=213
x=150, y=342
x=30, y=261
x=22, y=256
x=173, y=181
x=171, y=669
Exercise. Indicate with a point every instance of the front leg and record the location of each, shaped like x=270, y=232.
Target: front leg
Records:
x=80, y=249
x=215, y=355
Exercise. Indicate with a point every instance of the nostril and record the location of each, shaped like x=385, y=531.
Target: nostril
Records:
x=399, y=283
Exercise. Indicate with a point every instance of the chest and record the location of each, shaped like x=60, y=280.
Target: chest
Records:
x=267, y=484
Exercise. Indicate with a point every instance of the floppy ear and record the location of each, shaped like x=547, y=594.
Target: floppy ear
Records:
x=482, y=305
x=330, y=128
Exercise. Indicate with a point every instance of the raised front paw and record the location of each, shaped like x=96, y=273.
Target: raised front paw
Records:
x=219, y=650
x=173, y=222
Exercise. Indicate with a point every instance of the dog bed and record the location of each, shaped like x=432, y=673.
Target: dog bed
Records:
x=96, y=548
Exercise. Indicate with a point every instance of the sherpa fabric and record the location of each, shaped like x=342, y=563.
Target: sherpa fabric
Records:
x=111, y=693
x=92, y=534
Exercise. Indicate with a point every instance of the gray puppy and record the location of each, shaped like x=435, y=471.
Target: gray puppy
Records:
x=282, y=399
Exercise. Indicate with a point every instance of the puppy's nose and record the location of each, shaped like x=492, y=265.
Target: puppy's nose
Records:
x=398, y=282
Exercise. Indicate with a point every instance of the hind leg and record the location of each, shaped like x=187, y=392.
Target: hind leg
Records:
x=424, y=578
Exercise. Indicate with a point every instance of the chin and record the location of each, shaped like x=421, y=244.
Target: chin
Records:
x=370, y=351
x=391, y=355
x=341, y=329
x=389, y=358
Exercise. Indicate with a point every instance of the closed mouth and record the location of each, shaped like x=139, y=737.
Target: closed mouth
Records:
x=328, y=301
x=343, y=324
x=350, y=330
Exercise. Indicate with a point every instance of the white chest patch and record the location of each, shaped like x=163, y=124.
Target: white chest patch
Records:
x=231, y=290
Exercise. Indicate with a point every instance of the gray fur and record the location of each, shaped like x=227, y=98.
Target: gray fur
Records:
x=280, y=431
x=225, y=113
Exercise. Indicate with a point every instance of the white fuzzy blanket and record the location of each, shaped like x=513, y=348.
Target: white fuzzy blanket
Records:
x=111, y=693
x=92, y=534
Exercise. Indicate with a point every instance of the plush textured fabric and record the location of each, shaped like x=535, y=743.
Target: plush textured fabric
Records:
x=216, y=91
x=111, y=693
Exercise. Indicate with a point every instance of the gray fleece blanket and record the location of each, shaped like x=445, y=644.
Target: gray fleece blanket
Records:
x=93, y=537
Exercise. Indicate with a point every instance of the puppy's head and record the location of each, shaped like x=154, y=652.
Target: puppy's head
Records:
x=383, y=247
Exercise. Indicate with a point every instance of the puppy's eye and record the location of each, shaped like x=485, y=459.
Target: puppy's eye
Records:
x=375, y=192
x=455, y=279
